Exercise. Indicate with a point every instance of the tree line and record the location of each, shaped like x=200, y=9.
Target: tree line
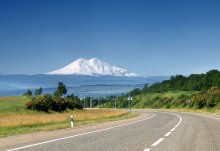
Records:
x=194, y=82
x=57, y=102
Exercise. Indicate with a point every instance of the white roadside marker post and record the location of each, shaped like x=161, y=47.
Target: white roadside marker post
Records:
x=71, y=123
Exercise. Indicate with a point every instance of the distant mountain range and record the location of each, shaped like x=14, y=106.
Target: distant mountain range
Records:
x=92, y=67
x=16, y=85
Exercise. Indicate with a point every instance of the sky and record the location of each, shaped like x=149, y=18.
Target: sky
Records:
x=148, y=37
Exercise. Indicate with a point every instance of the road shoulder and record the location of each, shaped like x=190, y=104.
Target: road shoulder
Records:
x=24, y=139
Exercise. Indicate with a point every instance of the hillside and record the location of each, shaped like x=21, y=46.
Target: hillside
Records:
x=197, y=91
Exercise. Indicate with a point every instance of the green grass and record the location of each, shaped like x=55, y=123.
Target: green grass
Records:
x=12, y=104
x=144, y=98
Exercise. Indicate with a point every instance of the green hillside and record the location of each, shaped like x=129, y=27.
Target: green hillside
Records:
x=197, y=91
x=158, y=100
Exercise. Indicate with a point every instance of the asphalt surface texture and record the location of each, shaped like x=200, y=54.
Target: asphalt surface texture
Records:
x=152, y=131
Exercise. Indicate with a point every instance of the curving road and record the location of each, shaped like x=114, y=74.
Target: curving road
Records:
x=155, y=131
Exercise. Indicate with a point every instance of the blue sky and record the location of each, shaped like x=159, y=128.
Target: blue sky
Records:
x=148, y=37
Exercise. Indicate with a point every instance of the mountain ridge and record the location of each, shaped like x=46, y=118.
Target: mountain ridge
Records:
x=92, y=67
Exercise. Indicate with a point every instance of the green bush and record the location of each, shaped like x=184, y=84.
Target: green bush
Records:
x=59, y=104
x=200, y=103
x=47, y=102
x=40, y=103
x=56, y=103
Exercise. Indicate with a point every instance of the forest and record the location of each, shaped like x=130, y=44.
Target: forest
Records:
x=194, y=82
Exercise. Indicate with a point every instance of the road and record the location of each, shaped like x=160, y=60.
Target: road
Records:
x=155, y=131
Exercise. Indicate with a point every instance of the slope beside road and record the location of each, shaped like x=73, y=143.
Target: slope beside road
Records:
x=152, y=131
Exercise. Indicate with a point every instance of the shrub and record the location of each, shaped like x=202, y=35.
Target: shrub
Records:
x=200, y=103
x=59, y=104
x=47, y=102
x=42, y=103
x=28, y=105
x=213, y=100
x=56, y=103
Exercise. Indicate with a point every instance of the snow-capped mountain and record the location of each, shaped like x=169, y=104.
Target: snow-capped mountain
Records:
x=92, y=67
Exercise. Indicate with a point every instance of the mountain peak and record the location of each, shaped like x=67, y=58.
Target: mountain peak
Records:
x=92, y=67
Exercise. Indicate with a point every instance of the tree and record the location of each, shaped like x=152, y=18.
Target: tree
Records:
x=135, y=92
x=61, y=89
x=38, y=91
x=28, y=93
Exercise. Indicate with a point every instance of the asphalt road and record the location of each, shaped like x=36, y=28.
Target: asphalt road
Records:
x=157, y=131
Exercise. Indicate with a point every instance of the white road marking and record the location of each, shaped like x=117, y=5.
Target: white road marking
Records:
x=157, y=142
x=167, y=134
x=54, y=140
x=199, y=114
x=210, y=116
x=172, y=129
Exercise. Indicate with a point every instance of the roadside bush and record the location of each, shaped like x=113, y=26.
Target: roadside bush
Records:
x=181, y=100
x=213, y=100
x=40, y=103
x=56, y=103
x=59, y=104
x=208, y=98
x=168, y=105
x=47, y=102
x=28, y=105
x=73, y=102
x=200, y=103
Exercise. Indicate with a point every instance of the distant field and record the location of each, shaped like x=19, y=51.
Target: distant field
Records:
x=15, y=119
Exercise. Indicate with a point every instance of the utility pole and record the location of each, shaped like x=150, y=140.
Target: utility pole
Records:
x=115, y=101
x=84, y=102
x=90, y=102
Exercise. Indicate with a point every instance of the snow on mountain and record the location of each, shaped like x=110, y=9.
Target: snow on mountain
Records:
x=92, y=67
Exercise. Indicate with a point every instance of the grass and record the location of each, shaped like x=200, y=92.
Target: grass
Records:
x=12, y=104
x=15, y=119
x=204, y=110
x=48, y=126
x=175, y=94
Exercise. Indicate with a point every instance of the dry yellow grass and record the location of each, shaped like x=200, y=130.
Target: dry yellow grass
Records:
x=12, y=120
